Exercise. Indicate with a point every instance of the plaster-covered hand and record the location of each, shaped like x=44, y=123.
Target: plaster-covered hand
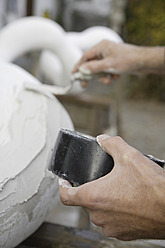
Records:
x=121, y=58
x=129, y=202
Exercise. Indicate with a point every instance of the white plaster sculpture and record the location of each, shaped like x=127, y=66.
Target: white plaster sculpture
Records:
x=29, y=124
x=46, y=74
x=36, y=33
x=83, y=41
x=91, y=36
x=28, y=128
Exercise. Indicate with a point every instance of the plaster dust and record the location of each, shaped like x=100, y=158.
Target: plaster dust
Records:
x=29, y=130
x=64, y=183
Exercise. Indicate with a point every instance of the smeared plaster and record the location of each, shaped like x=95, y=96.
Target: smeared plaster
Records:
x=28, y=191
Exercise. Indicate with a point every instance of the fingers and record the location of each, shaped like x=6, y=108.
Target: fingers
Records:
x=71, y=196
x=97, y=66
x=83, y=84
x=88, y=55
x=108, y=79
x=94, y=53
x=117, y=148
x=105, y=80
x=68, y=194
x=85, y=195
x=115, y=76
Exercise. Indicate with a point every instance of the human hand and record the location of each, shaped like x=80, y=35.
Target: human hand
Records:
x=107, y=56
x=129, y=202
x=120, y=58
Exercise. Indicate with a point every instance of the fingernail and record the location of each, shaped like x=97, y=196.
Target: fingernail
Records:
x=64, y=183
x=101, y=137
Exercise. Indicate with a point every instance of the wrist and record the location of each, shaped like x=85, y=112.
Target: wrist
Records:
x=159, y=204
x=151, y=60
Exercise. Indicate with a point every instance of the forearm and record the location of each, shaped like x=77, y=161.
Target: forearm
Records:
x=123, y=59
x=159, y=203
x=151, y=60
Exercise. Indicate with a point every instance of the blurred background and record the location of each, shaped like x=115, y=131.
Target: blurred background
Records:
x=141, y=23
x=133, y=106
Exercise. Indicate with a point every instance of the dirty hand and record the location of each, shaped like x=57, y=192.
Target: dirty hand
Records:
x=117, y=59
x=129, y=202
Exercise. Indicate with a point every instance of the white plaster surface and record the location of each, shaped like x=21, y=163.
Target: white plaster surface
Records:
x=29, y=125
x=37, y=33
x=91, y=36
x=81, y=41
x=30, y=118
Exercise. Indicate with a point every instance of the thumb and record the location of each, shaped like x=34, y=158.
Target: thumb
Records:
x=68, y=194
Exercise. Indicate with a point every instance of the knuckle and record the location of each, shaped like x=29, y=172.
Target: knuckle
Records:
x=130, y=155
x=96, y=220
x=104, y=42
x=91, y=201
x=117, y=139
x=112, y=142
x=64, y=198
x=83, y=196
x=89, y=197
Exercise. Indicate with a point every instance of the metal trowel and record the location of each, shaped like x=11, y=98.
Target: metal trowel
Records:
x=46, y=89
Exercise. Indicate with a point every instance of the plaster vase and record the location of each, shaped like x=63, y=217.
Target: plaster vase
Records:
x=29, y=124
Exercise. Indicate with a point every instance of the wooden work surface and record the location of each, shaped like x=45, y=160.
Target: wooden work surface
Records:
x=57, y=236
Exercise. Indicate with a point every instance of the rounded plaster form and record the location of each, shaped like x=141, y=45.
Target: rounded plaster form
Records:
x=91, y=36
x=81, y=41
x=29, y=124
x=36, y=34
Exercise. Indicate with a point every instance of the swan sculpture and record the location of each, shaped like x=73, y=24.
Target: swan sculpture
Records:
x=36, y=33
x=83, y=41
x=29, y=124
x=91, y=36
